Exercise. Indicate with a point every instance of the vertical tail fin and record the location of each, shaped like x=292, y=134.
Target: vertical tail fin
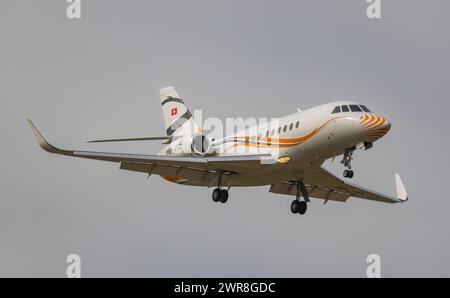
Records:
x=178, y=119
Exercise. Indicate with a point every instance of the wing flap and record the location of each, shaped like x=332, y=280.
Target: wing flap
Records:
x=137, y=167
x=183, y=175
x=289, y=188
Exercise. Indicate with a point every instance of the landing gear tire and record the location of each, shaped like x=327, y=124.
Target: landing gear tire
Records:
x=299, y=207
x=223, y=196
x=220, y=195
x=295, y=206
x=303, y=208
x=216, y=195
x=348, y=174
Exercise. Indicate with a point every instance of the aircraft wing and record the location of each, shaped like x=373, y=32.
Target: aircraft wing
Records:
x=131, y=140
x=322, y=184
x=165, y=165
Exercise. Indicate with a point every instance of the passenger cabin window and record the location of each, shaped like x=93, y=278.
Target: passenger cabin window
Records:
x=336, y=110
x=279, y=130
x=355, y=108
x=345, y=109
x=297, y=124
x=291, y=126
x=285, y=128
x=365, y=109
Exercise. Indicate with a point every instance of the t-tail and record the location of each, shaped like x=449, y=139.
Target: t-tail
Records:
x=178, y=120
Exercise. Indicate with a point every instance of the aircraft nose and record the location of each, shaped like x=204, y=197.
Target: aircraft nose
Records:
x=374, y=126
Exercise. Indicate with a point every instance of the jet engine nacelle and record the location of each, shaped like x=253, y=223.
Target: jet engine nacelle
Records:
x=197, y=145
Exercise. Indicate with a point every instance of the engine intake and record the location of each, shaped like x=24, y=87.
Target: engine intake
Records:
x=201, y=145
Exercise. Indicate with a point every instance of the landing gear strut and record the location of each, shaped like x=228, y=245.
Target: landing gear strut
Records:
x=219, y=194
x=347, y=161
x=298, y=206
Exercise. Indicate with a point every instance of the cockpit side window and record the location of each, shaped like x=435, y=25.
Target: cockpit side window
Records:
x=336, y=110
x=365, y=109
x=355, y=108
x=345, y=109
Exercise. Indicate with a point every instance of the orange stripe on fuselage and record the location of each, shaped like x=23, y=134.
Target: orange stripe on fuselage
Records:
x=295, y=140
x=260, y=146
x=284, y=143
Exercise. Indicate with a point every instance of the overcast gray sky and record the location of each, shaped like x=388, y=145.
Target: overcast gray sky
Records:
x=99, y=77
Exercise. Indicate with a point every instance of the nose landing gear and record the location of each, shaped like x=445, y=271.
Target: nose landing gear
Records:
x=348, y=174
x=347, y=161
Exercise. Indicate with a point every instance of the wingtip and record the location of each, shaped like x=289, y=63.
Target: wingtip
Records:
x=31, y=125
x=40, y=139
x=402, y=194
x=35, y=131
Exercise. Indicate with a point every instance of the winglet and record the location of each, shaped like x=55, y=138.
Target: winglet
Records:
x=401, y=190
x=41, y=141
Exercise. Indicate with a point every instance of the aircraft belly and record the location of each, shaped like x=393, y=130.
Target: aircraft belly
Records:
x=260, y=178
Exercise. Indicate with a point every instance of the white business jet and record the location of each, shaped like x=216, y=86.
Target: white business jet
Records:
x=286, y=154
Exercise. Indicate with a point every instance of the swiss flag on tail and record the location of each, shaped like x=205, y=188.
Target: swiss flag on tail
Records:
x=174, y=111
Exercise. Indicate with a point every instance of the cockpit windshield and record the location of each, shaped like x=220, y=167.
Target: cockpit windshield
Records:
x=355, y=108
x=365, y=109
x=352, y=108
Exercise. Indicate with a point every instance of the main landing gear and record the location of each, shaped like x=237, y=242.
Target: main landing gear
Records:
x=298, y=206
x=347, y=161
x=219, y=194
